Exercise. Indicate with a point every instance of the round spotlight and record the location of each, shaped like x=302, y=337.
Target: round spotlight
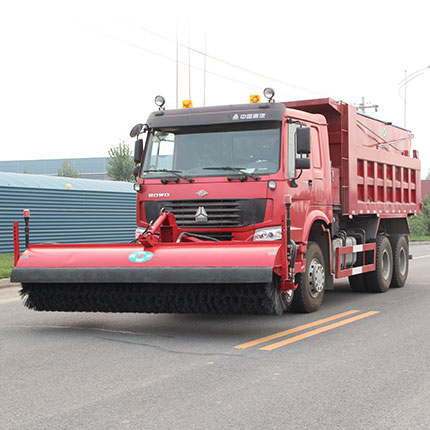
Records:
x=269, y=93
x=159, y=101
x=272, y=185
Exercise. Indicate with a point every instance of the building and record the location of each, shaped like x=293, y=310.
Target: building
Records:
x=425, y=187
x=66, y=210
x=88, y=168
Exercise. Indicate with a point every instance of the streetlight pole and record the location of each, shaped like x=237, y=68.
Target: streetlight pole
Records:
x=404, y=82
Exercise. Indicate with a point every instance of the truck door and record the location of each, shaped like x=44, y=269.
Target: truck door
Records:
x=312, y=183
x=317, y=179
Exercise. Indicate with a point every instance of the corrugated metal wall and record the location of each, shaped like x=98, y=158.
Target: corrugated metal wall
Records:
x=67, y=216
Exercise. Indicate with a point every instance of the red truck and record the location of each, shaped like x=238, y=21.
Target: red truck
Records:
x=252, y=208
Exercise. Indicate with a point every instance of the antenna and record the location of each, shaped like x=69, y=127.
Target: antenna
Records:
x=362, y=106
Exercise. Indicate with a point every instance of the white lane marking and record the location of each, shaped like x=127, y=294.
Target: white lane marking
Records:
x=421, y=256
x=16, y=299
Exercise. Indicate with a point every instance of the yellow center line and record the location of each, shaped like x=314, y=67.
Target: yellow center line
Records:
x=16, y=299
x=317, y=331
x=294, y=330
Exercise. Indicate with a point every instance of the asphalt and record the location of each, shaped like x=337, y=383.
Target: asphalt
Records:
x=361, y=362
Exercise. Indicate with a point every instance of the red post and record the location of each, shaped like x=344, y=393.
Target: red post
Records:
x=15, y=242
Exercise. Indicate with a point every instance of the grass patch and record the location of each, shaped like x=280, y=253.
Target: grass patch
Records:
x=414, y=238
x=6, y=263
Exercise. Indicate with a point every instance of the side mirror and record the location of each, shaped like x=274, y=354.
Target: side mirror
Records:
x=135, y=131
x=136, y=171
x=303, y=163
x=303, y=140
x=138, y=151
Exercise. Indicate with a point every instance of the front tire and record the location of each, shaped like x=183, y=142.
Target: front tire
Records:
x=311, y=283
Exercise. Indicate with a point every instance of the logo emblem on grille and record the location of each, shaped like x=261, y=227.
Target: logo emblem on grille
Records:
x=201, y=215
x=202, y=193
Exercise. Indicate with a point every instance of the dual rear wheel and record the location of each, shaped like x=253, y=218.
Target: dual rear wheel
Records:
x=392, y=265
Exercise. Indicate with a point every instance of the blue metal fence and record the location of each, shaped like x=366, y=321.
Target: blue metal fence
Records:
x=67, y=215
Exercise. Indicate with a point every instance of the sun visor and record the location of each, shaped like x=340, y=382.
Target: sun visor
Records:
x=217, y=115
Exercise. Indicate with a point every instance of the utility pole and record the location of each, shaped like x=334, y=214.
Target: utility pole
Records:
x=189, y=64
x=362, y=106
x=204, y=75
x=177, y=66
x=404, y=82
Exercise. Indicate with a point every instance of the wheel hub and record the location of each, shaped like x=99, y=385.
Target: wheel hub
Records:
x=316, y=277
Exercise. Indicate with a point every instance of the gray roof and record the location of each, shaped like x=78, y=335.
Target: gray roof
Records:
x=50, y=166
x=23, y=180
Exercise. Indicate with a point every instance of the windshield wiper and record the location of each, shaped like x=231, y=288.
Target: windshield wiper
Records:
x=176, y=173
x=240, y=170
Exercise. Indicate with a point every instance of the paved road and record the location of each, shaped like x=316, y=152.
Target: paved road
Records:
x=361, y=362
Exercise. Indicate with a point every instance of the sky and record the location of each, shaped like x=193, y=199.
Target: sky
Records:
x=75, y=76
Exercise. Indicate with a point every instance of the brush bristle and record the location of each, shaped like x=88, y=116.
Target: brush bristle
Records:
x=154, y=298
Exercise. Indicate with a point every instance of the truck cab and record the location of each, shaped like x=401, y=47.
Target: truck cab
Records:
x=224, y=172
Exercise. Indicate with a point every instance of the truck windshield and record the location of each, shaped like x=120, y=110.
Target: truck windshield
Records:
x=191, y=152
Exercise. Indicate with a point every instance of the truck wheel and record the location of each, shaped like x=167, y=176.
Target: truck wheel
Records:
x=379, y=281
x=311, y=283
x=400, y=247
x=358, y=283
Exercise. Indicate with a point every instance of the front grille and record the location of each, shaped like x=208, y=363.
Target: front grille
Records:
x=220, y=235
x=220, y=213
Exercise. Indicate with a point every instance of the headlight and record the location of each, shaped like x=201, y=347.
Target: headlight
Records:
x=138, y=232
x=270, y=233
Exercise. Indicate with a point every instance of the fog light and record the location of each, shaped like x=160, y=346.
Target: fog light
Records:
x=137, y=187
x=272, y=185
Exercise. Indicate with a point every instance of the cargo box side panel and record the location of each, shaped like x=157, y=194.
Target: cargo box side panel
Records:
x=379, y=175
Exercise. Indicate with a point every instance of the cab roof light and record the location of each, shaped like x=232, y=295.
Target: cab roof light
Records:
x=269, y=93
x=186, y=104
x=160, y=102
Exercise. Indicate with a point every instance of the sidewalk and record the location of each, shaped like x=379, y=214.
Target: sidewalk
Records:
x=5, y=283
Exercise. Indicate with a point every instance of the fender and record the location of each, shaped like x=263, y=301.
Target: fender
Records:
x=315, y=215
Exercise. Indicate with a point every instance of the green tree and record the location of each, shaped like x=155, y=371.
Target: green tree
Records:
x=420, y=224
x=120, y=164
x=68, y=171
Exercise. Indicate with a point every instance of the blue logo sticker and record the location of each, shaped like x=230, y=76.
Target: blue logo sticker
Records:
x=140, y=256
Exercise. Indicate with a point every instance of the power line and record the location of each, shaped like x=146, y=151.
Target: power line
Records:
x=141, y=48
x=243, y=69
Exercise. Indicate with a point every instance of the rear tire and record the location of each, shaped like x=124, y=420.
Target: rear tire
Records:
x=400, y=247
x=358, y=283
x=379, y=281
x=311, y=283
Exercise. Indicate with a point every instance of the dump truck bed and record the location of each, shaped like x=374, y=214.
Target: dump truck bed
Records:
x=372, y=160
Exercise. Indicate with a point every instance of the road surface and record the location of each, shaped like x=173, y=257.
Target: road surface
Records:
x=361, y=362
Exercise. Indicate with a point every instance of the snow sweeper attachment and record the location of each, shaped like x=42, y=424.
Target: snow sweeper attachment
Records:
x=166, y=271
